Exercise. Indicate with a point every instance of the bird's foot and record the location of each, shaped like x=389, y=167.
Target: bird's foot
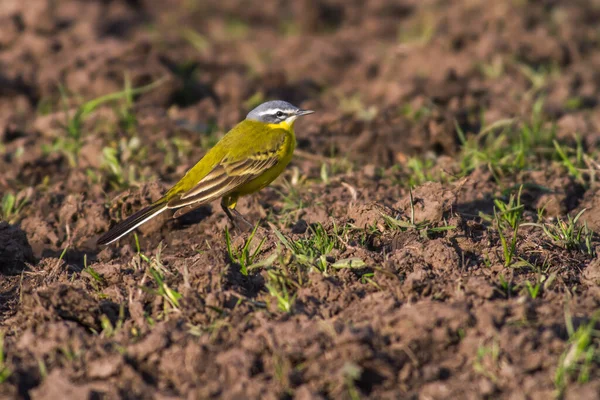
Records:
x=240, y=223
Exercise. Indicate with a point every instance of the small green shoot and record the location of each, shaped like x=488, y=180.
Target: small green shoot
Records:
x=312, y=250
x=581, y=353
x=509, y=146
x=351, y=263
x=533, y=289
x=416, y=114
x=493, y=69
x=157, y=271
x=420, y=30
x=63, y=253
x=325, y=173
x=125, y=114
x=5, y=371
x=568, y=233
x=138, y=249
x=197, y=40
x=292, y=200
x=12, y=205
x=68, y=353
x=171, y=296
x=506, y=286
x=487, y=360
x=353, y=105
x=367, y=278
x=96, y=278
x=112, y=158
x=510, y=213
x=280, y=285
x=108, y=330
x=539, y=77
x=73, y=126
x=352, y=372
x=244, y=257
x=422, y=170
x=236, y=28
x=42, y=368
x=573, y=169
x=508, y=216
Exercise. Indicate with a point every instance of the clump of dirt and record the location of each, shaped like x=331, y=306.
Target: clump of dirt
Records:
x=427, y=240
x=364, y=215
x=74, y=304
x=590, y=204
x=15, y=251
x=428, y=203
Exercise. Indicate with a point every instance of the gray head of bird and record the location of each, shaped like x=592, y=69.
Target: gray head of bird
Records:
x=277, y=111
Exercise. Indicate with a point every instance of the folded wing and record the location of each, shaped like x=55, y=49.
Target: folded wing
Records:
x=225, y=178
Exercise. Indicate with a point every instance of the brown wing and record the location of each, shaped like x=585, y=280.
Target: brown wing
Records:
x=224, y=179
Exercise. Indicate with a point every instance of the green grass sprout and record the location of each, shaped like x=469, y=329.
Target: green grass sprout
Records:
x=569, y=233
x=12, y=205
x=245, y=257
x=581, y=353
x=5, y=372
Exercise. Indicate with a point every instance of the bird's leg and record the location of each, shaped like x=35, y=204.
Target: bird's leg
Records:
x=225, y=207
x=240, y=217
x=228, y=204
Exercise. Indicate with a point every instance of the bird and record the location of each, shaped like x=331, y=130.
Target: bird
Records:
x=247, y=159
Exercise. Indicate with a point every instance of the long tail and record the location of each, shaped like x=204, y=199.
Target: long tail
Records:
x=137, y=219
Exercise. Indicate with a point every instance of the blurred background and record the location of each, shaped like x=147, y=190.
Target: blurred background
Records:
x=388, y=77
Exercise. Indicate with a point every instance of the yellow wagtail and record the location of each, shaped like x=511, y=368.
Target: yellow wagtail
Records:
x=248, y=158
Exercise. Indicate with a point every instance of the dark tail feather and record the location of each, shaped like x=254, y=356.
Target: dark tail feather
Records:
x=137, y=219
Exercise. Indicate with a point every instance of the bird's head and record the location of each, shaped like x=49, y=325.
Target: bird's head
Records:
x=277, y=112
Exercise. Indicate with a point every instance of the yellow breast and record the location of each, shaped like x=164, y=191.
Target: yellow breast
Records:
x=285, y=156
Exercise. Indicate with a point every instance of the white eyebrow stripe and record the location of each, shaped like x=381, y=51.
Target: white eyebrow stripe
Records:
x=271, y=111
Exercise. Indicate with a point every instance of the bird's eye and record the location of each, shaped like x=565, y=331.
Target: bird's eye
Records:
x=279, y=114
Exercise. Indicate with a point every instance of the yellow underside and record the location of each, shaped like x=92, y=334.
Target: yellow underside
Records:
x=271, y=174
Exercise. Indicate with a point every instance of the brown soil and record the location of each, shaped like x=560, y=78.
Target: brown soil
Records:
x=430, y=314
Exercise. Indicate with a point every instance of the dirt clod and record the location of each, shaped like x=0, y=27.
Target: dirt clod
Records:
x=430, y=202
x=15, y=251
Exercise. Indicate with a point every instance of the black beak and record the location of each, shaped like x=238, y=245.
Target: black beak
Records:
x=304, y=112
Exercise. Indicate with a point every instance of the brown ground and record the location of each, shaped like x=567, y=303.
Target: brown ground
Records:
x=426, y=314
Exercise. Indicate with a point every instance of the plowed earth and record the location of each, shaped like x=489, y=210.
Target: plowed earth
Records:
x=362, y=288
